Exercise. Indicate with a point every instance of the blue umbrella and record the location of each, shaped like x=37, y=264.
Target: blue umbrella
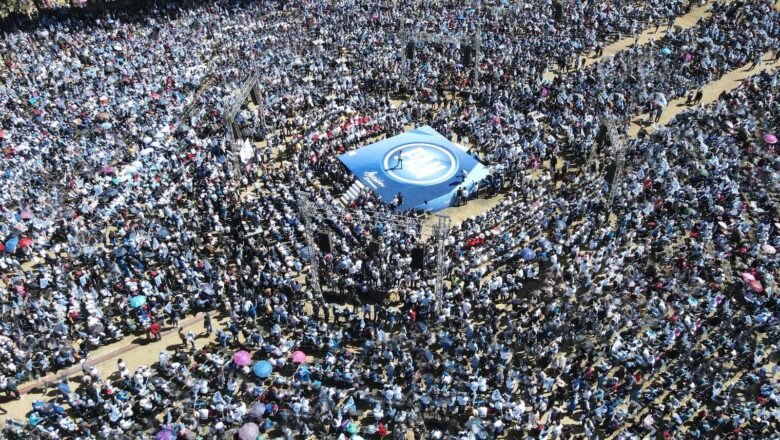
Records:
x=137, y=301
x=528, y=254
x=34, y=419
x=666, y=51
x=64, y=387
x=262, y=369
x=10, y=245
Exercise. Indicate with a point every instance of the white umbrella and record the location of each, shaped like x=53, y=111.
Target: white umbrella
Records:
x=249, y=431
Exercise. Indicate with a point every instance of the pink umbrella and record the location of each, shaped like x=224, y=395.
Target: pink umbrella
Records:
x=769, y=138
x=242, y=358
x=299, y=357
x=108, y=170
x=756, y=286
x=747, y=277
x=768, y=249
x=25, y=215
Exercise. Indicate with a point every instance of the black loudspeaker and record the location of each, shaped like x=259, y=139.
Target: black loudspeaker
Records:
x=467, y=55
x=417, y=258
x=373, y=249
x=410, y=51
x=323, y=242
x=558, y=11
x=255, y=97
x=601, y=136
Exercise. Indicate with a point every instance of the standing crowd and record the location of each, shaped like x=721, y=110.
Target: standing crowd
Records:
x=572, y=309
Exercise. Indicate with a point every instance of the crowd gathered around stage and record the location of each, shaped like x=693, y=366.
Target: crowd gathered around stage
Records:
x=599, y=298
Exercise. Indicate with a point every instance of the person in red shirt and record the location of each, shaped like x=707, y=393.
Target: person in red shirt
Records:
x=154, y=331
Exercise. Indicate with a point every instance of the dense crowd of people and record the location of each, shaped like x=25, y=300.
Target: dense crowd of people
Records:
x=570, y=309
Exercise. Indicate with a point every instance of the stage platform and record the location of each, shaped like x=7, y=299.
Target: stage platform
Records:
x=424, y=166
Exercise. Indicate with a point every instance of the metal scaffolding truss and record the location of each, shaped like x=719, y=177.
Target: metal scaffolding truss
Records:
x=412, y=35
x=308, y=211
x=234, y=103
x=619, y=151
x=592, y=156
x=314, y=213
x=441, y=233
